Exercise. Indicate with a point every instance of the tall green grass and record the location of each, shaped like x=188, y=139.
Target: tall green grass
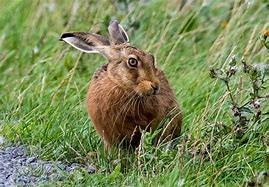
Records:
x=43, y=85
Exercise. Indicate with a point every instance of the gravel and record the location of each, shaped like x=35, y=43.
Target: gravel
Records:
x=18, y=169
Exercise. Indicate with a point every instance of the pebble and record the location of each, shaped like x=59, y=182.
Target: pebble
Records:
x=91, y=169
x=16, y=169
x=31, y=159
x=72, y=167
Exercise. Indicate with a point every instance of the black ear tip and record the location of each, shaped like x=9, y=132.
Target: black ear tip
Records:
x=61, y=38
x=65, y=35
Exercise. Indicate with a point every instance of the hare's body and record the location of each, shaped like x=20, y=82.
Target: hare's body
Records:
x=118, y=115
x=129, y=93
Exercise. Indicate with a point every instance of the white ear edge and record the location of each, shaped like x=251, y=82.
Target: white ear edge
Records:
x=155, y=60
x=72, y=40
x=124, y=32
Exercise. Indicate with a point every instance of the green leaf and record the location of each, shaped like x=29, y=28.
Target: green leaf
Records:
x=116, y=173
x=246, y=109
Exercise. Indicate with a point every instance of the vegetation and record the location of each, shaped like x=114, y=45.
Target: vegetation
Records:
x=225, y=139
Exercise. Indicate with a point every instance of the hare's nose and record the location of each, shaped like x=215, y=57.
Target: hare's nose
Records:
x=155, y=88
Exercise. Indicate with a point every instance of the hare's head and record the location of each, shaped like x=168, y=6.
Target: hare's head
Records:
x=128, y=67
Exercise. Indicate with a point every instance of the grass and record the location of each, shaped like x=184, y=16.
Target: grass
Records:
x=44, y=82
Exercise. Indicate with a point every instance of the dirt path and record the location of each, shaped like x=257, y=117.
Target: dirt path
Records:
x=16, y=168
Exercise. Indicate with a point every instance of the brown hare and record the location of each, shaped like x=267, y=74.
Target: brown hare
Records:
x=129, y=93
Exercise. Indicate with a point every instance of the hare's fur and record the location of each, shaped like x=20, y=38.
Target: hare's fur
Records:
x=123, y=100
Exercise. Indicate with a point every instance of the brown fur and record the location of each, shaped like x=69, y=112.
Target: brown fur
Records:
x=118, y=112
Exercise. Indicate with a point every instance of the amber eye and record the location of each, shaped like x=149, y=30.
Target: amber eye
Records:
x=132, y=62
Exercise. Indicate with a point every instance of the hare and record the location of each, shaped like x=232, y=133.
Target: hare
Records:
x=129, y=93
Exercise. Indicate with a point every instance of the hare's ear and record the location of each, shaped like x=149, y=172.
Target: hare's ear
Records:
x=117, y=33
x=87, y=42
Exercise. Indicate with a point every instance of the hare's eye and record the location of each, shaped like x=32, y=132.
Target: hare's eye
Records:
x=132, y=62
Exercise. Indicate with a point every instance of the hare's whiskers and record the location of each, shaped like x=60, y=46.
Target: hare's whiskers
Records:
x=121, y=99
x=123, y=107
x=128, y=109
x=138, y=108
